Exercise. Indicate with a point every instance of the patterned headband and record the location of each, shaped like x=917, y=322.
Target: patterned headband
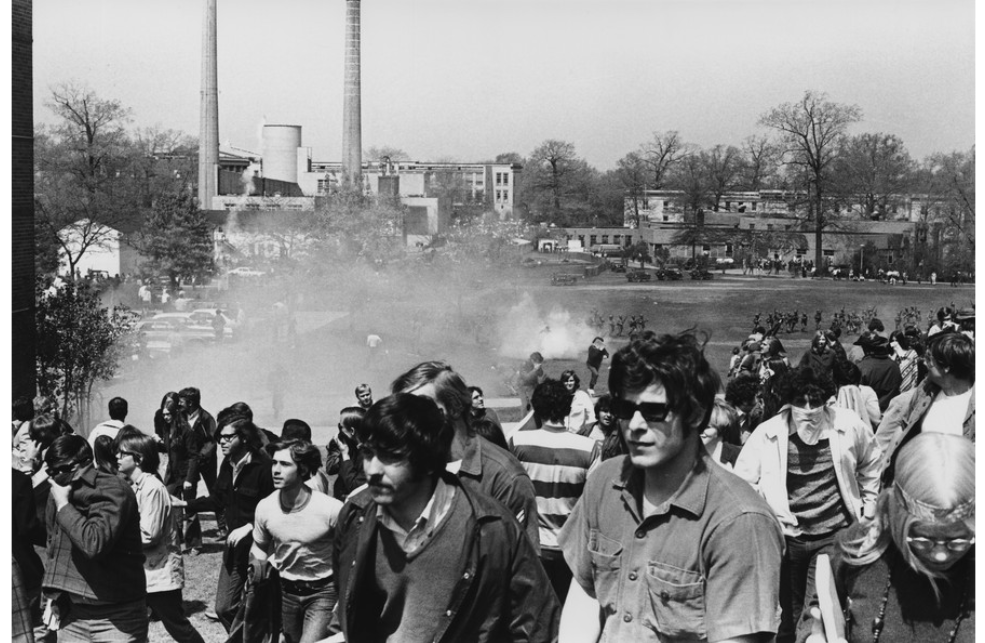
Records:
x=929, y=513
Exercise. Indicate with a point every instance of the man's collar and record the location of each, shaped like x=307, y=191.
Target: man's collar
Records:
x=472, y=456
x=87, y=474
x=428, y=517
x=690, y=496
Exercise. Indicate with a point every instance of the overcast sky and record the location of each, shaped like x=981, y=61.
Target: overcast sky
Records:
x=468, y=79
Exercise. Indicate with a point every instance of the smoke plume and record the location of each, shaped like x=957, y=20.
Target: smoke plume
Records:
x=555, y=335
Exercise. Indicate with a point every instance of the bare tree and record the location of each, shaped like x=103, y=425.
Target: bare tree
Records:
x=951, y=201
x=385, y=151
x=761, y=159
x=631, y=170
x=722, y=166
x=660, y=154
x=812, y=129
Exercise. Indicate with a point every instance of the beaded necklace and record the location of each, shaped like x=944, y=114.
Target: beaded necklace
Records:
x=879, y=621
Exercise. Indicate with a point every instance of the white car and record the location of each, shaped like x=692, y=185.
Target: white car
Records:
x=243, y=271
x=205, y=317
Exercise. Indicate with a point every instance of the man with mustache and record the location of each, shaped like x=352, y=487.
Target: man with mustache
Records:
x=665, y=544
x=419, y=556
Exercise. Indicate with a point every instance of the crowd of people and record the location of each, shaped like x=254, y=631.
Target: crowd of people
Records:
x=674, y=507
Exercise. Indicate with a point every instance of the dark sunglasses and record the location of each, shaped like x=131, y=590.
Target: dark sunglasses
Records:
x=56, y=471
x=651, y=411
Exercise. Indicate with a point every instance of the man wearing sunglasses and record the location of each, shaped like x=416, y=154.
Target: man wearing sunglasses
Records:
x=666, y=543
x=94, y=584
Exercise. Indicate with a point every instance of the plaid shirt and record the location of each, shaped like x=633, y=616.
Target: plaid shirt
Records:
x=94, y=548
x=20, y=610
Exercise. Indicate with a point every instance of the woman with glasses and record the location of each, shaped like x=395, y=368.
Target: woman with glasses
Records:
x=138, y=461
x=909, y=575
x=816, y=466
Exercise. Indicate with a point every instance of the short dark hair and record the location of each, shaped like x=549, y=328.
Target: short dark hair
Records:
x=68, y=449
x=536, y=357
x=491, y=431
x=118, y=409
x=46, y=428
x=568, y=374
x=132, y=439
x=229, y=415
x=248, y=432
x=676, y=362
x=804, y=381
x=450, y=390
x=191, y=394
x=844, y=372
x=876, y=325
x=475, y=389
x=604, y=403
x=408, y=427
x=243, y=408
x=303, y=453
x=23, y=409
x=295, y=429
x=598, y=338
x=955, y=352
x=551, y=401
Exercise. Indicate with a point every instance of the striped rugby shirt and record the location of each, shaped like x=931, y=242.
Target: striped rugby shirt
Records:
x=558, y=462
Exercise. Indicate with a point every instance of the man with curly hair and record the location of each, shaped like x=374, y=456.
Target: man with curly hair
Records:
x=817, y=466
x=664, y=543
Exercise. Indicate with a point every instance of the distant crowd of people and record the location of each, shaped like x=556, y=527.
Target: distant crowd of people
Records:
x=675, y=507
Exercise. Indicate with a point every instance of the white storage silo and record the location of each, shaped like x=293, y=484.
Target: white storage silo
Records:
x=280, y=152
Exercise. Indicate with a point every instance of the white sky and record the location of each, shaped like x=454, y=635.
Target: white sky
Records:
x=469, y=79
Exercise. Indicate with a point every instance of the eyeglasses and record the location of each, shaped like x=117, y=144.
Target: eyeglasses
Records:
x=120, y=454
x=224, y=437
x=921, y=544
x=651, y=411
x=56, y=471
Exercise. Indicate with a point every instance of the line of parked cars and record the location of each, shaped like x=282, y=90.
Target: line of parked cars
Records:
x=168, y=334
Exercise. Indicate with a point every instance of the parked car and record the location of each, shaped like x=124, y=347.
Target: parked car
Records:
x=160, y=337
x=701, y=274
x=206, y=317
x=190, y=329
x=669, y=273
x=559, y=279
x=638, y=276
x=617, y=267
x=244, y=271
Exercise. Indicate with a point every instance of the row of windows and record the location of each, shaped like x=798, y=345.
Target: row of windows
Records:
x=502, y=178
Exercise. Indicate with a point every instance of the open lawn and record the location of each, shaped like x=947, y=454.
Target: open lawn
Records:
x=330, y=357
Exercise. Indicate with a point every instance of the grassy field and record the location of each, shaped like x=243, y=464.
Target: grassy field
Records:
x=331, y=357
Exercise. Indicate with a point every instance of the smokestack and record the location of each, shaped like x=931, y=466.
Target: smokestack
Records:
x=352, y=143
x=208, y=143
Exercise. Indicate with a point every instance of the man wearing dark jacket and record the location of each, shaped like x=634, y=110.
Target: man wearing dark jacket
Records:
x=420, y=557
x=244, y=479
x=879, y=370
x=94, y=583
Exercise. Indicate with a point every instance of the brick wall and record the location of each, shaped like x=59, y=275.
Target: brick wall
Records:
x=22, y=192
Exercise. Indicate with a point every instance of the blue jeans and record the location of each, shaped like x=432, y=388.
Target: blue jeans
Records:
x=232, y=577
x=796, y=575
x=305, y=619
x=116, y=623
x=169, y=608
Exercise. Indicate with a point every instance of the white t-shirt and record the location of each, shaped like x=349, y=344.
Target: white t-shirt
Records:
x=947, y=413
x=300, y=542
x=109, y=427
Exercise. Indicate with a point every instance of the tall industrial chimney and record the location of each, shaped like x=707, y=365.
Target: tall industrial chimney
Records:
x=208, y=143
x=352, y=138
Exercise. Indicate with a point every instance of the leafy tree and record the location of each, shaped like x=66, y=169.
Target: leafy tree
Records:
x=550, y=170
x=510, y=157
x=874, y=169
x=950, y=188
x=82, y=178
x=639, y=251
x=812, y=130
x=176, y=238
x=79, y=343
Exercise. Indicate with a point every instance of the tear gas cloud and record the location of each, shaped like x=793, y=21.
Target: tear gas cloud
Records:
x=556, y=335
